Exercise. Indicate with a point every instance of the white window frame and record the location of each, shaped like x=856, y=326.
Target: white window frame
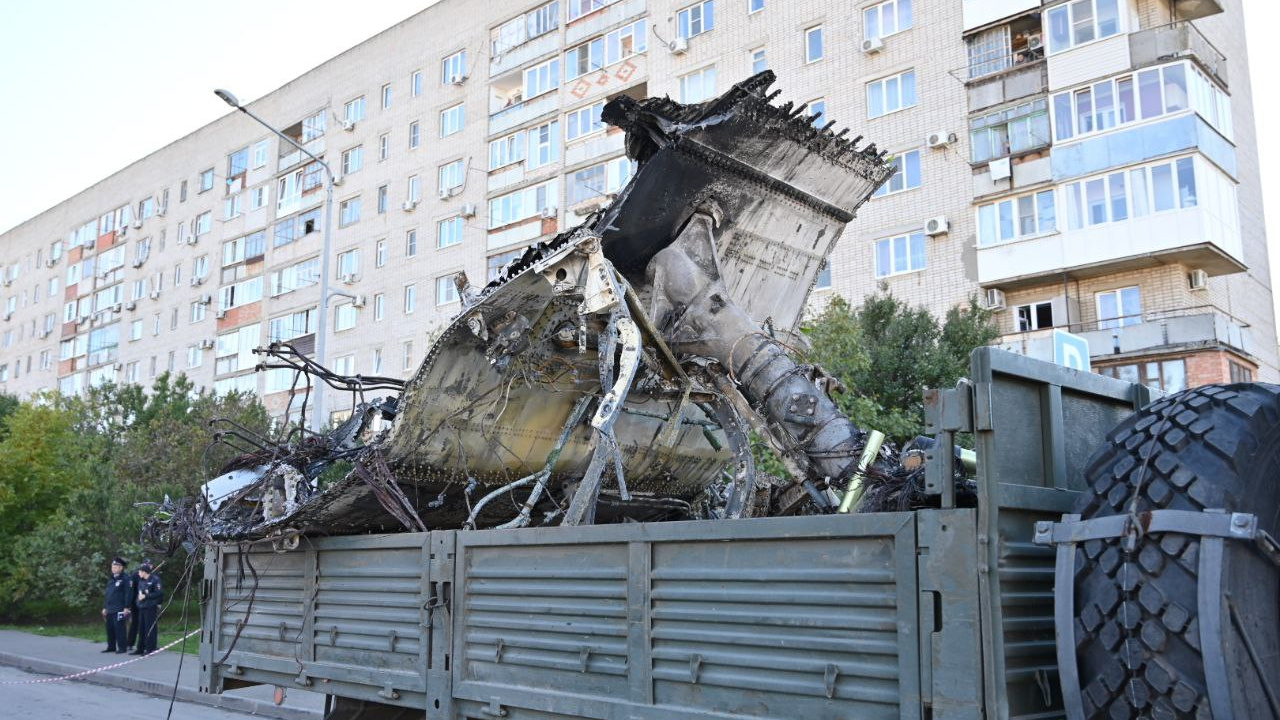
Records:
x=705, y=79
x=891, y=84
x=446, y=290
x=450, y=231
x=696, y=19
x=878, y=11
x=990, y=217
x=1070, y=10
x=453, y=67
x=901, y=166
x=809, y=34
x=894, y=247
x=453, y=119
x=1123, y=318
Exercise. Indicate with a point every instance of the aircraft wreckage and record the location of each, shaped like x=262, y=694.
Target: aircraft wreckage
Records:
x=620, y=370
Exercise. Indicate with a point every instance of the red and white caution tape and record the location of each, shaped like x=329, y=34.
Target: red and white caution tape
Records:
x=83, y=673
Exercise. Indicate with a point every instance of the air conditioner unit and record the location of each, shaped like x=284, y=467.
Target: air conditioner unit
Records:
x=468, y=210
x=358, y=301
x=155, y=294
x=409, y=205
x=679, y=46
x=445, y=193
x=1001, y=169
x=117, y=307
x=138, y=263
x=941, y=138
x=548, y=213
x=189, y=239
x=936, y=226
x=205, y=299
x=1198, y=279
x=873, y=45
x=42, y=334
x=124, y=230
x=206, y=344
x=348, y=278
x=137, y=224
x=220, y=314
x=337, y=179
x=1035, y=41
x=161, y=210
x=118, y=366
x=994, y=299
x=457, y=79
x=130, y=305
x=348, y=125
x=197, y=281
x=7, y=316
x=51, y=262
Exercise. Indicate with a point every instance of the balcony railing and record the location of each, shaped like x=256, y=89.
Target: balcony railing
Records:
x=1175, y=41
x=1180, y=327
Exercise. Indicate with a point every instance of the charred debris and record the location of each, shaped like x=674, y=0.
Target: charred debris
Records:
x=614, y=373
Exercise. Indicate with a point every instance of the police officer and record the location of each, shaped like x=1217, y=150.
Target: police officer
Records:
x=149, y=595
x=115, y=606
x=133, y=608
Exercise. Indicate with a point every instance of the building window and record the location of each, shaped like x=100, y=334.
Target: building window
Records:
x=823, y=280
x=348, y=264
x=238, y=162
x=759, y=63
x=446, y=290
x=542, y=78
x=452, y=120
x=523, y=28
x=352, y=160
x=506, y=150
x=206, y=180
x=384, y=146
x=901, y=254
x=606, y=50
x=260, y=150
x=233, y=206
x=1034, y=316
x=698, y=86
x=1017, y=218
x=453, y=69
x=496, y=263
x=349, y=212
x=1081, y=21
x=1120, y=307
x=578, y=8
x=379, y=307
x=906, y=174
x=386, y=96
x=233, y=296
x=410, y=298
x=1122, y=195
x=415, y=137
x=1169, y=376
x=813, y=44
x=259, y=197
x=380, y=253
x=1010, y=131
x=411, y=243
x=600, y=180
x=754, y=6
x=584, y=121
x=345, y=316
x=382, y=199
x=415, y=83
x=353, y=111
x=452, y=176
x=885, y=19
x=1239, y=373
x=818, y=111
x=891, y=94
x=1140, y=96
x=406, y=354
x=523, y=204
x=696, y=19
x=413, y=189
x=204, y=223
x=449, y=232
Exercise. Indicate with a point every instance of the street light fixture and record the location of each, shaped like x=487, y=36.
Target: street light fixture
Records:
x=322, y=317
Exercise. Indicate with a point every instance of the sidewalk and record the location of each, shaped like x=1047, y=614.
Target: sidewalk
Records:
x=152, y=675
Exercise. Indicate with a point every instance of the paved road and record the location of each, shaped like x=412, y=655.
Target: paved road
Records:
x=80, y=701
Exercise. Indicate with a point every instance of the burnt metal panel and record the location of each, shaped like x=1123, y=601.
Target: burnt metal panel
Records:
x=811, y=617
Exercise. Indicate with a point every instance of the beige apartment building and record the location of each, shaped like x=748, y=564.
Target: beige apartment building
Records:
x=1085, y=166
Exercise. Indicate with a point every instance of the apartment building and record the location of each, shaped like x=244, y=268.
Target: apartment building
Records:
x=1079, y=165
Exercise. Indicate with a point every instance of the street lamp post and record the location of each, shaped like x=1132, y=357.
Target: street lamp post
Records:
x=322, y=317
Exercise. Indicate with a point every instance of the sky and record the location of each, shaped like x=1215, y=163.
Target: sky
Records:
x=90, y=86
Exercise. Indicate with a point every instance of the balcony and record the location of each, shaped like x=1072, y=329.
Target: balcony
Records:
x=519, y=113
x=1192, y=327
x=521, y=54
x=600, y=20
x=1018, y=75
x=1196, y=9
x=1177, y=41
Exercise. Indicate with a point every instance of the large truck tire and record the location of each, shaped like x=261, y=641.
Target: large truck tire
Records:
x=1137, y=634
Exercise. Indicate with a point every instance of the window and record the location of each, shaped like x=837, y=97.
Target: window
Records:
x=410, y=298
x=1017, y=218
x=1120, y=307
x=1010, y=131
x=584, y=121
x=295, y=277
x=578, y=8
x=238, y=162
x=415, y=83
x=195, y=356
x=1034, y=316
x=233, y=206
x=698, y=86
x=353, y=111
x=241, y=293
x=415, y=138
x=696, y=19
x=407, y=354
x=345, y=316
x=1081, y=21
x=379, y=307
x=384, y=146
x=413, y=190
x=542, y=78
x=506, y=150
x=891, y=94
x=380, y=254
x=823, y=279
x=446, y=291
x=451, y=176
x=386, y=96
x=259, y=197
x=200, y=267
x=452, y=120
x=901, y=254
x=182, y=191
x=411, y=243
x=885, y=19
x=382, y=199
x=1169, y=376
x=599, y=180
x=496, y=263
x=606, y=50
x=1122, y=195
x=204, y=223
x=544, y=144
x=1145, y=95
x=135, y=331
x=1238, y=373
x=260, y=150
x=291, y=326
x=348, y=263
x=522, y=204
x=758, y=61
x=818, y=111
x=523, y=28
x=313, y=126
x=292, y=228
x=449, y=232
x=813, y=45
x=352, y=160
x=453, y=69
x=349, y=212
x=906, y=174
x=377, y=360
x=197, y=311
x=206, y=180
x=754, y=6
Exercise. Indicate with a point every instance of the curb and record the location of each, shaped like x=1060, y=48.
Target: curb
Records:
x=158, y=689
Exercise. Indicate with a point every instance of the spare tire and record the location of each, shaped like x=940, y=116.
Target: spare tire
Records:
x=1137, y=633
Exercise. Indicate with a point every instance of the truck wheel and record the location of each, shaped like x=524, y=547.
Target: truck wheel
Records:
x=1137, y=633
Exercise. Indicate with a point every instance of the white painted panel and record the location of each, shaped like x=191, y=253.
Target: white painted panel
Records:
x=981, y=12
x=1088, y=62
x=600, y=21
x=597, y=146
x=506, y=177
x=520, y=233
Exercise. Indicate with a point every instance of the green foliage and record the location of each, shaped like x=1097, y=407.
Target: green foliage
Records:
x=74, y=471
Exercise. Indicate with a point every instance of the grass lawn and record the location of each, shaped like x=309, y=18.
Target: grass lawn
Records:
x=170, y=629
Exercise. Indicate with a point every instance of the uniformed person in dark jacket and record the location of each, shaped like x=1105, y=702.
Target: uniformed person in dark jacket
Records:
x=150, y=593
x=115, y=607
x=133, y=608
